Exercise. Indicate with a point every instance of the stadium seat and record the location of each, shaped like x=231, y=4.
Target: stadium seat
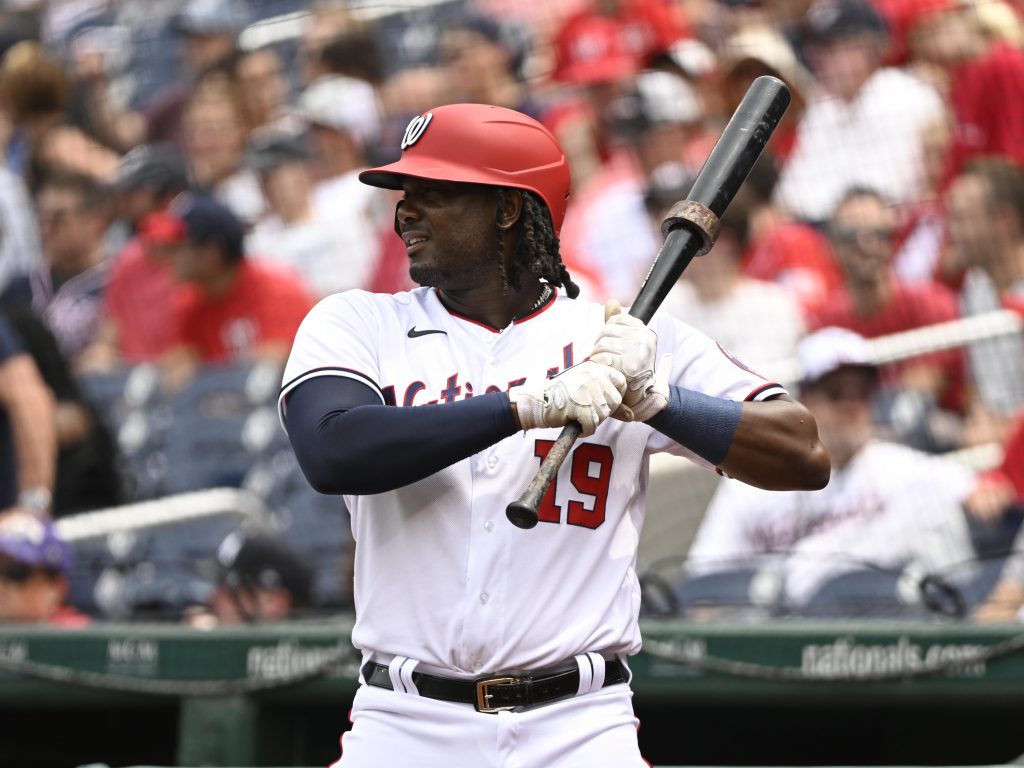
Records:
x=221, y=423
x=870, y=593
x=317, y=525
x=732, y=592
x=129, y=402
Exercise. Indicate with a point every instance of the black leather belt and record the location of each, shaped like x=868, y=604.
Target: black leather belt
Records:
x=499, y=692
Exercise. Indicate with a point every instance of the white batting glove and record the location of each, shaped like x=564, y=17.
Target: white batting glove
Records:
x=654, y=399
x=628, y=346
x=587, y=393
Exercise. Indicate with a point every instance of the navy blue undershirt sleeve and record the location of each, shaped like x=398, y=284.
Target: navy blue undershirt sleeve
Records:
x=704, y=424
x=347, y=442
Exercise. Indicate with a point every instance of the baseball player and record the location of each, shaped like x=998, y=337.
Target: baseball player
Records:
x=484, y=644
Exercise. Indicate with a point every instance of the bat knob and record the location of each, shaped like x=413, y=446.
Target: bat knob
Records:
x=521, y=515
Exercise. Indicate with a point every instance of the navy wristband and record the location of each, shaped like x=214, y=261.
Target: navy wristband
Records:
x=704, y=424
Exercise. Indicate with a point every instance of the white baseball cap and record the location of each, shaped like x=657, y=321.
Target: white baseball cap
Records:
x=667, y=98
x=342, y=103
x=829, y=349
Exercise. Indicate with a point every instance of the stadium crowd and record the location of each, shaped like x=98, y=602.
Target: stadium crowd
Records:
x=178, y=187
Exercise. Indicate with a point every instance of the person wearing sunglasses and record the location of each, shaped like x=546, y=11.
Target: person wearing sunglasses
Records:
x=35, y=565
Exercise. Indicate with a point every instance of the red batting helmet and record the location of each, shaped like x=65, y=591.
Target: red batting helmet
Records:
x=481, y=144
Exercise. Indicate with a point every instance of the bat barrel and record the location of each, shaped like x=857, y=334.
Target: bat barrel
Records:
x=741, y=143
x=692, y=224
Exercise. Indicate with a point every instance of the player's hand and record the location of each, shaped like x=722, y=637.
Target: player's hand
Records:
x=587, y=393
x=654, y=398
x=628, y=346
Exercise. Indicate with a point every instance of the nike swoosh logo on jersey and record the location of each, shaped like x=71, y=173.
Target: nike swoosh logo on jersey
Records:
x=413, y=333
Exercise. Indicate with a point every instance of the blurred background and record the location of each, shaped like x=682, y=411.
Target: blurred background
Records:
x=178, y=188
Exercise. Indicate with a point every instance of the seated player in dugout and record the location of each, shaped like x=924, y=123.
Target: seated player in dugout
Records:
x=430, y=410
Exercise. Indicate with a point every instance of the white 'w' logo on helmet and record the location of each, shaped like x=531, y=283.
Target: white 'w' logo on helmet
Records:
x=415, y=129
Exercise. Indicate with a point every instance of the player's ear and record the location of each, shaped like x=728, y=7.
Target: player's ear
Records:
x=511, y=208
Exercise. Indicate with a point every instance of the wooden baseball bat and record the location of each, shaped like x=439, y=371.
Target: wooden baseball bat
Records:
x=690, y=229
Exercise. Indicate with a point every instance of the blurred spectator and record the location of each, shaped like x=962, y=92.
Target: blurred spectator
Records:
x=87, y=476
x=67, y=292
x=263, y=87
x=780, y=250
x=229, y=308
x=136, y=322
x=27, y=430
x=591, y=58
x=260, y=578
x=310, y=239
x=922, y=229
x=886, y=506
x=34, y=567
x=35, y=95
x=876, y=303
x=645, y=27
x=94, y=49
x=758, y=321
x=999, y=492
x=207, y=29
x=1001, y=487
x=986, y=243
x=699, y=65
x=864, y=126
x=332, y=24
x=762, y=50
x=607, y=232
x=344, y=117
x=215, y=136
x=986, y=79
x=996, y=493
x=482, y=64
x=353, y=52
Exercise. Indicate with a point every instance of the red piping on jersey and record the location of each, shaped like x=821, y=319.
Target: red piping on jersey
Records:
x=515, y=321
x=762, y=388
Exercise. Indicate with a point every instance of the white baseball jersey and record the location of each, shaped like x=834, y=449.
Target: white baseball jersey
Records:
x=889, y=506
x=441, y=576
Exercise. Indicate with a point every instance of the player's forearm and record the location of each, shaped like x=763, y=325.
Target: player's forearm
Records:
x=376, y=448
x=776, y=447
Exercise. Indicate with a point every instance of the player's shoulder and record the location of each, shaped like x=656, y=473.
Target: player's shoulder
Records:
x=367, y=304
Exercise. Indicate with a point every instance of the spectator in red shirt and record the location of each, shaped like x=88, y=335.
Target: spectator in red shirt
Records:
x=784, y=251
x=228, y=308
x=874, y=302
x=986, y=80
x=995, y=493
x=135, y=326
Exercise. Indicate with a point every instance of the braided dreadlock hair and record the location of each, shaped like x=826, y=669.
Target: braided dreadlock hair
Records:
x=537, y=251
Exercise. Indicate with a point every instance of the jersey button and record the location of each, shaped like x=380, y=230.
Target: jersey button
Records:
x=484, y=597
x=492, y=462
x=488, y=526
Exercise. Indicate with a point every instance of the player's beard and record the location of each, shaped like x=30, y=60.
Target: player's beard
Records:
x=428, y=275
x=463, y=273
